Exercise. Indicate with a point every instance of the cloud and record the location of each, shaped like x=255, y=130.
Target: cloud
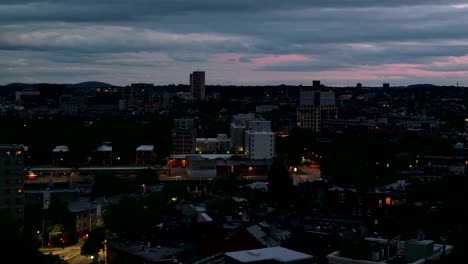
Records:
x=239, y=41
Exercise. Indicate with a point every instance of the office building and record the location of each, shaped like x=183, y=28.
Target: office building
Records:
x=197, y=85
x=12, y=174
x=183, y=136
x=315, y=107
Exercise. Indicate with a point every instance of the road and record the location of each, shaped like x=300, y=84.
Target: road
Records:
x=306, y=174
x=70, y=254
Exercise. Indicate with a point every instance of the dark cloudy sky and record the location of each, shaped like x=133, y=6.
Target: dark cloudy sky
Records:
x=340, y=42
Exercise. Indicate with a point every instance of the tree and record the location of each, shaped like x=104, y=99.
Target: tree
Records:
x=147, y=177
x=355, y=248
x=279, y=181
x=20, y=244
x=94, y=243
x=107, y=184
x=61, y=223
x=130, y=218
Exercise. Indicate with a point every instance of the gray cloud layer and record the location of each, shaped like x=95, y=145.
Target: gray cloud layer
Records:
x=121, y=41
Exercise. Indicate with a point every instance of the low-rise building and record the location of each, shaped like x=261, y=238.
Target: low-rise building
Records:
x=383, y=250
x=145, y=155
x=219, y=144
x=268, y=255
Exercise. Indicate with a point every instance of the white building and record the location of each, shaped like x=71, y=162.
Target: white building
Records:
x=237, y=128
x=259, y=140
x=315, y=106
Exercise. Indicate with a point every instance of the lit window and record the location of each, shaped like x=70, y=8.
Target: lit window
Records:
x=18, y=153
x=388, y=200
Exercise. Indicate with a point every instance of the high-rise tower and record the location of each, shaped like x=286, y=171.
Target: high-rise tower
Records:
x=11, y=176
x=315, y=106
x=197, y=85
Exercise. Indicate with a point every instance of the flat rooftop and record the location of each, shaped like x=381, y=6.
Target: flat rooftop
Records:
x=280, y=254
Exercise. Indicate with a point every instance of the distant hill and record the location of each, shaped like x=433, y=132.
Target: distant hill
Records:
x=91, y=85
x=421, y=85
x=20, y=84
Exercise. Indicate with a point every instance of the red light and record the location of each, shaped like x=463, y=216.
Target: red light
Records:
x=267, y=183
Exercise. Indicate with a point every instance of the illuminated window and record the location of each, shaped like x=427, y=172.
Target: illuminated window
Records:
x=388, y=200
x=380, y=203
x=18, y=153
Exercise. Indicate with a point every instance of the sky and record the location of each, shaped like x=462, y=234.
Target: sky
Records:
x=242, y=42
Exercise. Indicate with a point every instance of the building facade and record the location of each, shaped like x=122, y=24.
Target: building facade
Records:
x=12, y=174
x=145, y=155
x=197, y=85
x=237, y=129
x=183, y=136
x=315, y=107
x=259, y=140
x=219, y=144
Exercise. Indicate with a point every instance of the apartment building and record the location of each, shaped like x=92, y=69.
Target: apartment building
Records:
x=12, y=182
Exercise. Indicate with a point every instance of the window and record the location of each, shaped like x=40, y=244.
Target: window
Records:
x=388, y=200
x=369, y=212
x=7, y=153
x=341, y=197
x=360, y=212
x=18, y=153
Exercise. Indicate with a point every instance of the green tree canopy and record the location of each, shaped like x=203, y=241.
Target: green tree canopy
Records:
x=94, y=243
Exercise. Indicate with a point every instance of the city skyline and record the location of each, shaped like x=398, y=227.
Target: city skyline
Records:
x=273, y=42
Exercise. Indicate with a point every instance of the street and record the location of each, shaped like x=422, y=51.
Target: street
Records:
x=70, y=254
